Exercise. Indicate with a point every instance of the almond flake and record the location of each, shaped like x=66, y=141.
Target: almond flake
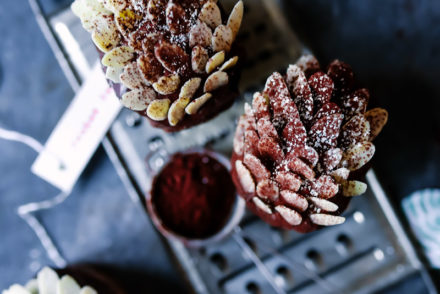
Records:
x=200, y=34
x=177, y=111
x=326, y=219
x=199, y=58
x=189, y=88
x=289, y=215
x=235, y=18
x=215, y=61
x=215, y=81
x=229, y=63
x=210, y=14
x=131, y=77
x=167, y=84
x=324, y=204
x=158, y=109
x=138, y=100
x=288, y=181
x=294, y=199
x=377, y=117
x=245, y=177
x=222, y=39
x=353, y=188
x=268, y=189
x=256, y=167
x=113, y=74
x=195, y=105
x=106, y=35
x=358, y=155
x=261, y=205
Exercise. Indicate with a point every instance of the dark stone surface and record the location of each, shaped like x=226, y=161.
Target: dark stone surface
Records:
x=98, y=222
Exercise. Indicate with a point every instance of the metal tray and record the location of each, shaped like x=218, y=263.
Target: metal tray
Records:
x=369, y=252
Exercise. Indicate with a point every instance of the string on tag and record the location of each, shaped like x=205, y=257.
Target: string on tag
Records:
x=26, y=211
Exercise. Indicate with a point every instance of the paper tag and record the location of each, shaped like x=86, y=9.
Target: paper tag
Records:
x=78, y=133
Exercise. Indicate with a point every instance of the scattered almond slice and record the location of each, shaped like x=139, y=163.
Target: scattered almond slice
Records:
x=356, y=130
x=268, y=189
x=32, y=286
x=47, y=281
x=325, y=186
x=177, y=110
x=248, y=109
x=199, y=58
x=261, y=205
x=358, y=155
x=245, y=177
x=308, y=63
x=235, y=18
x=67, y=285
x=176, y=18
x=289, y=215
x=353, y=188
x=294, y=199
x=238, y=144
x=126, y=20
x=215, y=61
x=210, y=14
x=171, y=56
x=115, y=5
x=326, y=219
x=300, y=167
x=167, y=84
x=222, y=39
x=215, y=81
x=118, y=57
x=113, y=74
x=377, y=117
x=105, y=35
x=138, y=99
x=132, y=77
x=229, y=63
x=158, y=109
x=189, y=88
x=331, y=158
x=195, y=105
x=324, y=204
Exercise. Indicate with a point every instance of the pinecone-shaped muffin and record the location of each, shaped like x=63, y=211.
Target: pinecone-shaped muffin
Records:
x=173, y=61
x=301, y=149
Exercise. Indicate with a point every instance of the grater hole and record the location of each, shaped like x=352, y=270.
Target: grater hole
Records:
x=253, y=288
x=343, y=244
x=219, y=261
x=314, y=260
x=283, y=272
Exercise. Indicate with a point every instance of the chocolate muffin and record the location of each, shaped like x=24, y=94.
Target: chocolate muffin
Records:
x=173, y=61
x=303, y=146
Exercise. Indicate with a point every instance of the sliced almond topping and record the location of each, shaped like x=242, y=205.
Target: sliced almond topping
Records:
x=288, y=180
x=261, y=205
x=176, y=18
x=118, y=57
x=248, y=109
x=377, y=117
x=326, y=219
x=167, y=84
x=356, y=130
x=114, y=5
x=177, y=110
x=324, y=204
x=294, y=199
x=289, y=215
x=353, y=188
x=199, y=58
x=268, y=189
x=234, y=20
x=230, y=63
x=300, y=167
x=308, y=62
x=88, y=290
x=358, y=155
x=138, y=100
x=190, y=87
x=67, y=285
x=126, y=21
x=331, y=158
x=195, y=105
x=200, y=34
x=340, y=174
x=132, y=77
x=171, y=56
x=113, y=74
x=215, y=61
x=106, y=35
x=216, y=80
x=158, y=109
x=245, y=177
x=325, y=186
x=238, y=143
x=210, y=14
x=222, y=39
x=258, y=170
